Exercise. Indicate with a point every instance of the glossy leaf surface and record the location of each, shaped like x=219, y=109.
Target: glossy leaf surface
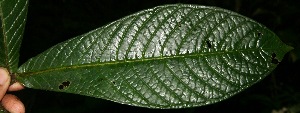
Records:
x=13, y=17
x=171, y=56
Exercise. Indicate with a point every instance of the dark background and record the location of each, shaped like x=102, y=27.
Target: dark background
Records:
x=52, y=21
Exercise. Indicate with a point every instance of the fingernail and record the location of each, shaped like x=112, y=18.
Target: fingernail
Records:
x=3, y=76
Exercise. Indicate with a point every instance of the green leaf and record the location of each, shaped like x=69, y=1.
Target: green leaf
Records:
x=170, y=56
x=13, y=17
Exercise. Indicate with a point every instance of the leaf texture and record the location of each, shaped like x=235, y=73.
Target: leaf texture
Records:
x=13, y=17
x=170, y=56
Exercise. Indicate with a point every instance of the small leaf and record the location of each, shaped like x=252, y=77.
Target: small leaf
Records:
x=170, y=56
x=13, y=17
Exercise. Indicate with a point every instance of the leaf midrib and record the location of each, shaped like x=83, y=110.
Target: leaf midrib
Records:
x=138, y=60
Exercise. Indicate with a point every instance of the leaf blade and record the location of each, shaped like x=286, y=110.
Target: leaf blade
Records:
x=169, y=56
x=13, y=17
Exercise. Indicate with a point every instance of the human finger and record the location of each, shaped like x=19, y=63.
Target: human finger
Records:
x=4, y=82
x=16, y=87
x=12, y=104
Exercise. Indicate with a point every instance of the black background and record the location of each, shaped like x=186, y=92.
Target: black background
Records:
x=52, y=21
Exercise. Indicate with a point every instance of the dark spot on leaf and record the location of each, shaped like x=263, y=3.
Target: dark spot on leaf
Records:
x=113, y=82
x=61, y=86
x=274, y=59
x=259, y=34
x=64, y=85
x=208, y=44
